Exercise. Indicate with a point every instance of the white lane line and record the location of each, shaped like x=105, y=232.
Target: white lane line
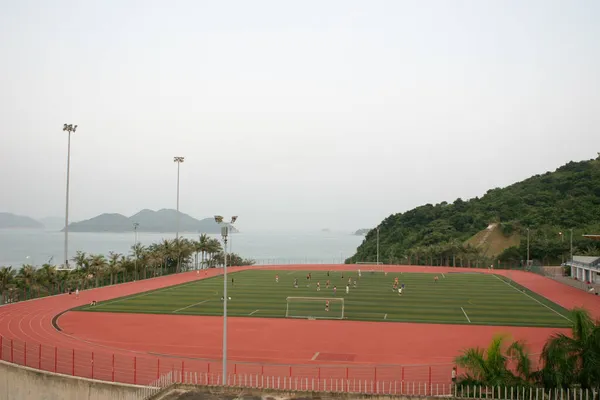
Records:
x=191, y=305
x=532, y=298
x=385, y=316
x=255, y=311
x=466, y=316
x=315, y=356
x=145, y=294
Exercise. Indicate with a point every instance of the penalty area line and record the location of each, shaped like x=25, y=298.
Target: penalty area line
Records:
x=191, y=305
x=466, y=316
x=315, y=356
x=255, y=311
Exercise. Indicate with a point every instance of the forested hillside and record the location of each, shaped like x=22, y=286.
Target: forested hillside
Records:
x=548, y=204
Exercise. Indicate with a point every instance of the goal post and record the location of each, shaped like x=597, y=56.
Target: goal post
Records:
x=314, y=307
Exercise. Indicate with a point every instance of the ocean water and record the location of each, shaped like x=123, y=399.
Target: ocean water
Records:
x=36, y=247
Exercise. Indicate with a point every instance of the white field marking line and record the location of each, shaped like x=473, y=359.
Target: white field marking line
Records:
x=463, y=310
x=145, y=294
x=255, y=311
x=385, y=316
x=191, y=305
x=532, y=298
x=291, y=272
x=443, y=276
x=315, y=356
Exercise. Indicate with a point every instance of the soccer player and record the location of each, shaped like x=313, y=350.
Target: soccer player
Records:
x=310, y=276
x=359, y=273
x=327, y=284
x=206, y=272
x=347, y=288
x=77, y=293
x=396, y=280
x=350, y=281
x=395, y=286
x=296, y=283
x=308, y=280
x=399, y=291
x=276, y=278
x=334, y=290
x=197, y=272
x=318, y=286
x=435, y=279
x=327, y=305
x=231, y=281
x=355, y=283
x=402, y=286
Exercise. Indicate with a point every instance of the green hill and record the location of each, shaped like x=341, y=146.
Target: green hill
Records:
x=547, y=204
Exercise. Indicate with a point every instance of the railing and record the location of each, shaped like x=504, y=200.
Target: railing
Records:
x=143, y=369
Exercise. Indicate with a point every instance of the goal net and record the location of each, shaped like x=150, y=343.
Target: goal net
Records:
x=314, y=308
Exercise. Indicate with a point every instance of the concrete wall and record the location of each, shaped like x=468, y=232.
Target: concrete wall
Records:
x=22, y=383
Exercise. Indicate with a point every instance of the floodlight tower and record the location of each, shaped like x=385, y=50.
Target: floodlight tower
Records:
x=69, y=128
x=224, y=234
x=178, y=160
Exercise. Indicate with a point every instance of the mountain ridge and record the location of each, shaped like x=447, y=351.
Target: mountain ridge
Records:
x=14, y=221
x=160, y=221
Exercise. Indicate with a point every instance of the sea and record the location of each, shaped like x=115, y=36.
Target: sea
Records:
x=36, y=247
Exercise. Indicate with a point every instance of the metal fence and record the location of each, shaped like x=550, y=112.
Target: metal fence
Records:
x=378, y=387
x=142, y=369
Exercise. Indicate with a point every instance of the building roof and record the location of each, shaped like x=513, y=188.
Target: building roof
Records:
x=585, y=259
x=593, y=237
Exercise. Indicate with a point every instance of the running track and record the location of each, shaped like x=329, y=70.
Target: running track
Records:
x=137, y=348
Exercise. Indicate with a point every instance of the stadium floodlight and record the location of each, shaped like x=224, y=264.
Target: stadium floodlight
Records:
x=69, y=128
x=224, y=234
x=178, y=160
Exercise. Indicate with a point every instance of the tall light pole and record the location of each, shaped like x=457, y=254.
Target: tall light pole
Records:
x=528, y=247
x=562, y=253
x=377, y=245
x=69, y=128
x=135, y=226
x=178, y=160
x=224, y=234
x=571, y=244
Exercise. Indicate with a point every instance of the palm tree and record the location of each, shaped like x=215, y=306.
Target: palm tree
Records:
x=81, y=260
x=573, y=360
x=7, y=276
x=114, y=265
x=46, y=275
x=203, y=245
x=491, y=367
x=27, y=275
x=97, y=267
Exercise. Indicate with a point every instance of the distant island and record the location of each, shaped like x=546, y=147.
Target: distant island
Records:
x=160, y=221
x=362, y=232
x=13, y=221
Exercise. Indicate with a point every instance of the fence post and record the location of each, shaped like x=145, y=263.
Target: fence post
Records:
x=290, y=370
x=92, y=365
x=346, y=372
x=73, y=363
x=375, y=374
x=429, y=379
x=1, y=347
x=182, y=369
x=135, y=370
x=262, y=369
x=113, y=367
x=55, y=358
x=40, y=357
x=12, y=352
x=158, y=368
x=25, y=353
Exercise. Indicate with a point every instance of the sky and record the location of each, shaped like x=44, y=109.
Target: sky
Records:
x=298, y=115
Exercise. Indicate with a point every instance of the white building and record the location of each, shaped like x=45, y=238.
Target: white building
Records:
x=585, y=269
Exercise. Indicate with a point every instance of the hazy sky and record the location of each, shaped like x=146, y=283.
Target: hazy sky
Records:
x=304, y=114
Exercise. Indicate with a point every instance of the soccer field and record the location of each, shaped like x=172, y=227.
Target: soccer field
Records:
x=456, y=298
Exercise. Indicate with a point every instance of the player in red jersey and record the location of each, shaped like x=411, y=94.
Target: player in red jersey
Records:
x=327, y=305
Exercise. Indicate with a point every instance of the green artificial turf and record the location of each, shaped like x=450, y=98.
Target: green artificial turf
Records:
x=485, y=299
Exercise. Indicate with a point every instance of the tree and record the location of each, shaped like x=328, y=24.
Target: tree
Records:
x=575, y=360
x=114, y=265
x=491, y=367
x=7, y=276
x=97, y=267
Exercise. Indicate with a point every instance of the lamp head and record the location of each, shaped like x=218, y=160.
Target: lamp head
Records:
x=64, y=127
x=218, y=219
x=74, y=127
x=233, y=219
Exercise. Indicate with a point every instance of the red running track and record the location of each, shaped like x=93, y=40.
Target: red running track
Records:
x=137, y=348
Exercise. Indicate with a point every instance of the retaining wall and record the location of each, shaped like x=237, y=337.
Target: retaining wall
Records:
x=22, y=383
